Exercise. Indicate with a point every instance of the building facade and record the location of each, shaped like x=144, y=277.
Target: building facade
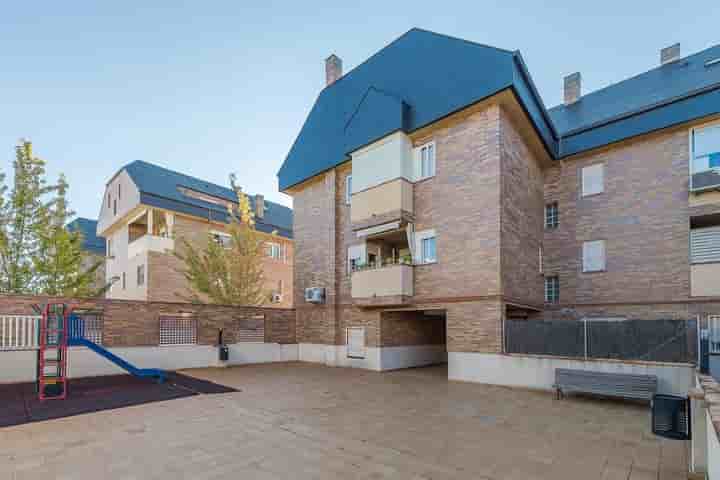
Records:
x=147, y=210
x=433, y=204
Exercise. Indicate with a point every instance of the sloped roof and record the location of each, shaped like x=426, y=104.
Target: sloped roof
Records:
x=399, y=88
x=160, y=187
x=423, y=76
x=88, y=227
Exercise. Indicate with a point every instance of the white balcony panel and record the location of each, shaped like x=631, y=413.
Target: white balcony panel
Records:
x=150, y=243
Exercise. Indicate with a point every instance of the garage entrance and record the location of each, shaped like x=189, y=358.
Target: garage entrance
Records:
x=413, y=338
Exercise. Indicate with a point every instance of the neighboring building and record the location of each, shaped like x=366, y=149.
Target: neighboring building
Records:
x=435, y=196
x=93, y=246
x=146, y=209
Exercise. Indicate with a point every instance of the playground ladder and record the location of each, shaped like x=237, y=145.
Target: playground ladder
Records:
x=52, y=352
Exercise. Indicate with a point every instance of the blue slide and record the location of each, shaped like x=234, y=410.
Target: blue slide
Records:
x=76, y=337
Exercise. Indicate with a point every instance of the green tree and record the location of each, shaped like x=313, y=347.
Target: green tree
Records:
x=227, y=273
x=22, y=217
x=59, y=263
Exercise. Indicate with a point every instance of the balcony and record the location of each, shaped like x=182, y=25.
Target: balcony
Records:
x=386, y=285
x=388, y=202
x=705, y=180
x=150, y=243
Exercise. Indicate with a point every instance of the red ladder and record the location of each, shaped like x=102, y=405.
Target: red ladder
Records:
x=52, y=354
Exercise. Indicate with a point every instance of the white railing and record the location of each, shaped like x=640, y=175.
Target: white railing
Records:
x=19, y=332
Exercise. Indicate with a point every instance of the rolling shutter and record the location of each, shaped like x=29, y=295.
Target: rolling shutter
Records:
x=705, y=245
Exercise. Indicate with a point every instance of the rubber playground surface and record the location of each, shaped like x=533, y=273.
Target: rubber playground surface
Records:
x=20, y=402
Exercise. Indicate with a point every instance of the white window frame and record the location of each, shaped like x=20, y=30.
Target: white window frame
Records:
x=348, y=189
x=275, y=251
x=549, y=209
x=419, y=238
x=547, y=289
x=691, y=148
x=586, y=179
x=432, y=160
x=599, y=265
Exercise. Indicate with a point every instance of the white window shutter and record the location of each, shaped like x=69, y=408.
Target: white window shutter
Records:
x=594, y=256
x=593, y=179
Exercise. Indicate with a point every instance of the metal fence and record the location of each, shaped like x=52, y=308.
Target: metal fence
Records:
x=178, y=330
x=19, y=332
x=649, y=340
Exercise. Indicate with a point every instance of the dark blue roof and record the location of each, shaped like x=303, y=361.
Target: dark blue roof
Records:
x=159, y=187
x=91, y=242
x=395, y=90
x=640, y=104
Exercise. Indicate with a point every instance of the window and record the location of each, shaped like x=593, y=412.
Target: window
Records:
x=551, y=215
x=705, y=245
x=141, y=275
x=274, y=251
x=706, y=148
x=705, y=157
x=108, y=201
x=426, y=246
x=119, y=192
x=123, y=280
x=594, y=256
x=356, y=257
x=552, y=289
x=348, y=189
x=222, y=239
x=593, y=179
x=111, y=252
x=115, y=207
x=180, y=329
x=427, y=160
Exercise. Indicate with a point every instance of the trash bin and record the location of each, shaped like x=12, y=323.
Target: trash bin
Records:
x=223, y=350
x=671, y=417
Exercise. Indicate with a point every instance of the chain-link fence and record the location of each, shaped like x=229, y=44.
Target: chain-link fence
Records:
x=650, y=340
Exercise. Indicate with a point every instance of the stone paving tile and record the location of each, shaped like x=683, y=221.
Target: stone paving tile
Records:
x=307, y=421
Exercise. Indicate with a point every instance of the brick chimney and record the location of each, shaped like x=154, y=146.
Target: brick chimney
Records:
x=572, y=88
x=670, y=54
x=333, y=69
x=259, y=206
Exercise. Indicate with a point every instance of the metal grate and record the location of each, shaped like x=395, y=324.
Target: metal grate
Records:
x=178, y=330
x=671, y=417
x=92, y=327
x=251, y=329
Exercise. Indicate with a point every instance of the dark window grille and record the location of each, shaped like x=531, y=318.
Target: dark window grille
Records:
x=552, y=289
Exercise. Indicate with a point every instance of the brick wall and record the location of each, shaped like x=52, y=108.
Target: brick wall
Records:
x=404, y=328
x=166, y=282
x=643, y=216
x=129, y=323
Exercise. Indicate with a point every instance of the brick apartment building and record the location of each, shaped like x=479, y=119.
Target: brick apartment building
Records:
x=434, y=200
x=147, y=209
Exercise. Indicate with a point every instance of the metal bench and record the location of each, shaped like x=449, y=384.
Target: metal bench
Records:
x=636, y=387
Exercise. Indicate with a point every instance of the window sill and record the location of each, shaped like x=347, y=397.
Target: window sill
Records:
x=594, y=271
x=425, y=263
x=590, y=195
x=424, y=179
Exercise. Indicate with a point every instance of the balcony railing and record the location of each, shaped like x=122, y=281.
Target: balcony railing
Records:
x=383, y=203
x=150, y=243
x=387, y=283
x=705, y=180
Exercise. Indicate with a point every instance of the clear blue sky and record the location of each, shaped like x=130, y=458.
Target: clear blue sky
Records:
x=213, y=87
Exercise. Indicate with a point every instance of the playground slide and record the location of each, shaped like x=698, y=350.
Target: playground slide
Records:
x=132, y=369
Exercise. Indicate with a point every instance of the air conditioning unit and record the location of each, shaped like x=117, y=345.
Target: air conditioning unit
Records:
x=315, y=295
x=276, y=298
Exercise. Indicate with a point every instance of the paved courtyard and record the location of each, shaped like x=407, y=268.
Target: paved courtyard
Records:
x=305, y=421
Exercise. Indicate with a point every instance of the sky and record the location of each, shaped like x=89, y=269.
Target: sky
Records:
x=213, y=87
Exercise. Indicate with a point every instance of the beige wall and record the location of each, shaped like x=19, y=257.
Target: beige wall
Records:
x=384, y=160
x=381, y=282
x=705, y=280
x=119, y=263
x=393, y=196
